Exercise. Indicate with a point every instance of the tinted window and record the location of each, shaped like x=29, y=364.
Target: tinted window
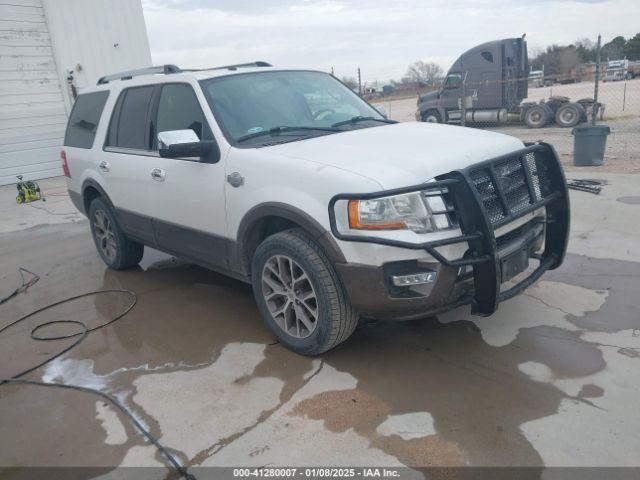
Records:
x=488, y=56
x=454, y=80
x=179, y=109
x=83, y=122
x=130, y=117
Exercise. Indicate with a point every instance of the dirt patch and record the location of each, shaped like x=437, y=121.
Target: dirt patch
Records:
x=342, y=410
x=421, y=452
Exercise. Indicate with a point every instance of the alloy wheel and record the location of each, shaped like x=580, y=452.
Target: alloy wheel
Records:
x=568, y=116
x=290, y=296
x=105, y=237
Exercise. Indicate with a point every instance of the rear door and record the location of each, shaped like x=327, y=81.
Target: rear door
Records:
x=80, y=136
x=126, y=162
x=188, y=196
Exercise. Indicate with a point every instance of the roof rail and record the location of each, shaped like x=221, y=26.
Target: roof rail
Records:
x=258, y=63
x=128, y=75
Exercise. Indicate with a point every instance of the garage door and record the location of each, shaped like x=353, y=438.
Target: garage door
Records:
x=32, y=111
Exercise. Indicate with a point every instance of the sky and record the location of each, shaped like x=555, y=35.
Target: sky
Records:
x=382, y=37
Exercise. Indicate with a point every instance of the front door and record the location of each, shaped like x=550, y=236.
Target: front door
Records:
x=451, y=92
x=188, y=195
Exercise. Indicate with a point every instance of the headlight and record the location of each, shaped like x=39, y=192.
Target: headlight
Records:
x=400, y=212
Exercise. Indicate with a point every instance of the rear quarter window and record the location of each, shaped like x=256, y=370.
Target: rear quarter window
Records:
x=84, y=119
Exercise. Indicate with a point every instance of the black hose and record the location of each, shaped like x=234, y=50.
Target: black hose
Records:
x=16, y=379
x=25, y=284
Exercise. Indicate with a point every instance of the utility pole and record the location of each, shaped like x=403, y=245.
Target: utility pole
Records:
x=594, y=110
x=359, y=82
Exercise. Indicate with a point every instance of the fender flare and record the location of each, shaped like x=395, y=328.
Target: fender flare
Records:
x=245, y=237
x=90, y=182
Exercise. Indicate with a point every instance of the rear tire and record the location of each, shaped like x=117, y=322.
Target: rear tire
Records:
x=569, y=114
x=115, y=249
x=536, y=116
x=299, y=294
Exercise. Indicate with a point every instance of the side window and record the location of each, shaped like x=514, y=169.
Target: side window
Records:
x=84, y=118
x=454, y=80
x=129, y=120
x=179, y=109
x=488, y=56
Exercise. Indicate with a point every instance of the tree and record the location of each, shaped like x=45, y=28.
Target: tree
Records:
x=614, y=49
x=557, y=60
x=350, y=82
x=586, y=50
x=425, y=73
x=631, y=49
x=568, y=59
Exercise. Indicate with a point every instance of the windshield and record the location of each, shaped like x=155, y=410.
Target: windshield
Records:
x=263, y=102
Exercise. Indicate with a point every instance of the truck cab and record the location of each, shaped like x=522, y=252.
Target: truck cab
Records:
x=491, y=76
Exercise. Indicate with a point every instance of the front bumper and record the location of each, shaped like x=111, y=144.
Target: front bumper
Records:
x=487, y=257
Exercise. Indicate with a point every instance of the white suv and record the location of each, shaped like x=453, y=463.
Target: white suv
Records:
x=288, y=180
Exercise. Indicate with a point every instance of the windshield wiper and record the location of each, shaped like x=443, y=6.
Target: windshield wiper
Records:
x=285, y=129
x=360, y=118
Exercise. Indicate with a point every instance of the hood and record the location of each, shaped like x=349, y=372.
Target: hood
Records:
x=401, y=154
x=429, y=96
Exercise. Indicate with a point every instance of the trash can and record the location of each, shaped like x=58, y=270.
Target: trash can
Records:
x=588, y=144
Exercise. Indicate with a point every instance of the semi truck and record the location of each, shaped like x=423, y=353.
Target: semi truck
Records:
x=488, y=85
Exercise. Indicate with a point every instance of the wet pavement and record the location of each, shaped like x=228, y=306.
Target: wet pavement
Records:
x=550, y=380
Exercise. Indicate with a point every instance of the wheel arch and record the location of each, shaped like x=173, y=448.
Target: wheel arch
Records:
x=440, y=113
x=273, y=217
x=90, y=190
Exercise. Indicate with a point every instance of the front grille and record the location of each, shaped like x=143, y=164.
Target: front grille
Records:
x=509, y=186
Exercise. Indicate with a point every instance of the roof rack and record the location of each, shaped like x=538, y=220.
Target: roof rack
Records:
x=128, y=75
x=168, y=69
x=258, y=63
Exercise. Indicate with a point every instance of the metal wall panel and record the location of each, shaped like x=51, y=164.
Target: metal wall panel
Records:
x=40, y=42
x=95, y=38
x=32, y=109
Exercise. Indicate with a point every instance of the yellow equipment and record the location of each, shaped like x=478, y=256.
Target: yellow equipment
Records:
x=28, y=191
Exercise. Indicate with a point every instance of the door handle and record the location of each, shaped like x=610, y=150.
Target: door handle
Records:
x=104, y=166
x=158, y=174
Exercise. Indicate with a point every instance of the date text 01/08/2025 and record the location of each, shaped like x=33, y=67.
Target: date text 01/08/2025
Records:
x=283, y=472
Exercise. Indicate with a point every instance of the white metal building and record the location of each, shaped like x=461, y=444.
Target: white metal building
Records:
x=41, y=42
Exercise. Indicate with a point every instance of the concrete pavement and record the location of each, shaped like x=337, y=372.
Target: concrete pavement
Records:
x=549, y=380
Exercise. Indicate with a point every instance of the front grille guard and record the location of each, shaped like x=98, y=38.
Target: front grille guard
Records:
x=478, y=231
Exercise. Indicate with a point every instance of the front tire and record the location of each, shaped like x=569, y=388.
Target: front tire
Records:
x=431, y=116
x=299, y=294
x=115, y=249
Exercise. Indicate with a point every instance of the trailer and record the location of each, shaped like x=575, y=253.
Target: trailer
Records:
x=634, y=69
x=488, y=85
x=616, y=70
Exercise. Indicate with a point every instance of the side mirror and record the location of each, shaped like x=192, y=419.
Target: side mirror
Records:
x=381, y=110
x=186, y=144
